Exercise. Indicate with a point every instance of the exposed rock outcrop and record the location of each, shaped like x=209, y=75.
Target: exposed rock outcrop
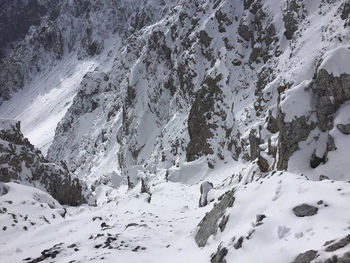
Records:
x=291, y=133
x=20, y=161
x=306, y=257
x=219, y=256
x=209, y=224
x=330, y=92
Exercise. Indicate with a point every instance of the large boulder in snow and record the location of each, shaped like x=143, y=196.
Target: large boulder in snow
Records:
x=20, y=161
x=210, y=223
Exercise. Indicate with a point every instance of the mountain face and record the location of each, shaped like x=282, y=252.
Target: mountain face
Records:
x=242, y=106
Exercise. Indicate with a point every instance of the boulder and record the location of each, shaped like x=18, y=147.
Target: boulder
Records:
x=305, y=210
x=219, y=256
x=204, y=188
x=209, y=224
x=306, y=257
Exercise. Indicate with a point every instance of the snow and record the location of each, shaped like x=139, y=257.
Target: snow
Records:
x=7, y=124
x=297, y=101
x=123, y=226
x=42, y=104
x=164, y=229
x=336, y=61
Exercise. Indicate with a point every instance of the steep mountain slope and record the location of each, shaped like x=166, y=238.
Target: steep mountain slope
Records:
x=206, y=130
x=201, y=82
x=20, y=161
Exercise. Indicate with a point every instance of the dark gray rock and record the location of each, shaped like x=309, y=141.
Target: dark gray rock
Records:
x=209, y=224
x=239, y=243
x=254, y=142
x=260, y=218
x=344, y=128
x=145, y=188
x=204, y=188
x=346, y=10
x=219, y=256
x=305, y=210
x=291, y=133
x=339, y=244
x=200, y=126
x=244, y=32
x=247, y=3
x=330, y=93
x=263, y=164
x=316, y=161
x=306, y=257
x=323, y=177
x=272, y=125
x=291, y=17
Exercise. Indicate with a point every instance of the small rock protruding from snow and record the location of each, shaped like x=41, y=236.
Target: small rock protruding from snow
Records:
x=323, y=177
x=219, y=256
x=305, y=210
x=205, y=188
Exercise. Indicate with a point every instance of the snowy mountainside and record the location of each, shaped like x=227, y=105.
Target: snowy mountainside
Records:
x=204, y=130
x=200, y=83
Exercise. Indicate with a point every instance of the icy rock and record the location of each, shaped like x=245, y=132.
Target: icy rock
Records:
x=305, y=210
x=204, y=188
x=306, y=257
x=209, y=224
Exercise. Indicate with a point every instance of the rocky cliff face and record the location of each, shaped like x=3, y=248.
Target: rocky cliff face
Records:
x=21, y=162
x=199, y=82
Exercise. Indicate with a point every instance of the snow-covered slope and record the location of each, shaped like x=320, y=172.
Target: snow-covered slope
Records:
x=157, y=105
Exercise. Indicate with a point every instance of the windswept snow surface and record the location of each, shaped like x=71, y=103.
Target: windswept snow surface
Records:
x=336, y=61
x=128, y=229
x=42, y=104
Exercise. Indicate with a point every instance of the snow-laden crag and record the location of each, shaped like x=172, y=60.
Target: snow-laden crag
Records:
x=221, y=126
